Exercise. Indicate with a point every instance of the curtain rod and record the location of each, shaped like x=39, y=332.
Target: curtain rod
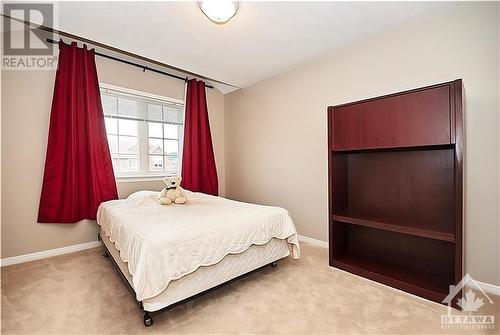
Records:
x=123, y=52
x=143, y=67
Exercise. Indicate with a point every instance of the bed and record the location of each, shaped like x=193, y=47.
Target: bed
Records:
x=167, y=254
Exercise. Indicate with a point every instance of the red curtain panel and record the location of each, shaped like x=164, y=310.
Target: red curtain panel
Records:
x=199, y=173
x=78, y=169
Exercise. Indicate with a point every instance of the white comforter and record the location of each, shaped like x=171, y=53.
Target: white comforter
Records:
x=164, y=243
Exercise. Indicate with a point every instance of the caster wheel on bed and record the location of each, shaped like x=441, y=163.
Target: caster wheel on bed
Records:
x=274, y=264
x=148, y=320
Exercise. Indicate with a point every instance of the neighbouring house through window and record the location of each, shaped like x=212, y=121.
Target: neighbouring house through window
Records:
x=145, y=132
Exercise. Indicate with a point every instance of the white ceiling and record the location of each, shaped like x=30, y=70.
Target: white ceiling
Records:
x=263, y=39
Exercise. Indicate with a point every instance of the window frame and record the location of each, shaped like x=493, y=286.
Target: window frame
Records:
x=143, y=133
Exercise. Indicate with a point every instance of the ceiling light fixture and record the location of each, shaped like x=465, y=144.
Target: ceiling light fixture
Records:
x=219, y=11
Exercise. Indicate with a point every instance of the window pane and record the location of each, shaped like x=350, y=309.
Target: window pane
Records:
x=173, y=114
x=155, y=146
x=128, y=145
x=108, y=104
x=155, y=163
x=172, y=164
x=127, y=127
x=155, y=129
x=115, y=160
x=171, y=146
x=113, y=143
x=155, y=112
x=125, y=136
x=127, y=107
x=171, y=131
x=128, y=163
x=111, y=125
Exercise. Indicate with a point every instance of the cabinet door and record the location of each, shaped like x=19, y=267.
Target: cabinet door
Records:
x=408, y=119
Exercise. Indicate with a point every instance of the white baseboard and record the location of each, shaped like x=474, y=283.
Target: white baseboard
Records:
x=49, y=253
x=488, y=288
x=313, y=241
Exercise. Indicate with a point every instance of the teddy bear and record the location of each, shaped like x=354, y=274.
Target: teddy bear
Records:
x=173, y=193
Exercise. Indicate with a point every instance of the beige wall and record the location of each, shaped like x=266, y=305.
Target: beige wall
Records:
x=26, y=101
x=276, y=130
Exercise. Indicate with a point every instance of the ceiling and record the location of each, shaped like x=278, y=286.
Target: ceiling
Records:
x=263, y=39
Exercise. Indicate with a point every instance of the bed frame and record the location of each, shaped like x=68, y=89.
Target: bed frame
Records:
x=148, y=316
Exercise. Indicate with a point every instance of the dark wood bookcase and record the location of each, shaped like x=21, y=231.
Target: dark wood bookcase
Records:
x=395, y=188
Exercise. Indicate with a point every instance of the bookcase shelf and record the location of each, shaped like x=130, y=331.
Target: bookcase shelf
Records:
x=394, y=148
x=395, y=189
x=410, y=228
x=428, y=285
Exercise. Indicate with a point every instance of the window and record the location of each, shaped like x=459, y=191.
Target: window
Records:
x=145, y=132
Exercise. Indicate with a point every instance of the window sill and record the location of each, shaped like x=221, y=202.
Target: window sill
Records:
x=135, y=179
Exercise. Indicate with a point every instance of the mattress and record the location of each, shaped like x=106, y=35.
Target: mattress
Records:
x=207, y=277
x=160, y=243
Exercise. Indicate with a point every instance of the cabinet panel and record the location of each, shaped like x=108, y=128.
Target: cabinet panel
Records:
x=409, y=188
x=408, y=119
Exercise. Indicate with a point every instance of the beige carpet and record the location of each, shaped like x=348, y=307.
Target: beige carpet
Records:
x=81, y=293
